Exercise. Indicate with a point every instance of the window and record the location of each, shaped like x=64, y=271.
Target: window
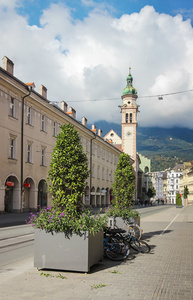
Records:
x=130, y=118
x=12, y=147
x=43, y=157
x=29, y=153
x=54, y=129
x=93, y=149
x=43, y=123
x=110, y=176
x=12, y=108
x=126, y=118
x=98, y=151
x=98, y=172
x=103, y=153
x=87, y=146
x=93, y=170
x=29, y=115
x=103, y=174
x=107, y=175
x=107, y=155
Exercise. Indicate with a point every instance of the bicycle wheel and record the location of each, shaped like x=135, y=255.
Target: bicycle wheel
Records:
x=140, y=246
x=117, y=251
x=135, y=229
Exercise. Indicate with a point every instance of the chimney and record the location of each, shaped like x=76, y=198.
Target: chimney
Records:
x=100, y=133
x=72, y=112
x=84, y=121
x=8, y=65
x=43, y=91
x=32, y=84
x=94, y=129
x=64, y=106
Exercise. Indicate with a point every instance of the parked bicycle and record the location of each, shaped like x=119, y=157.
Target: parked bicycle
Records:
x=130, y=225
x=136, y=244
x=130, y=236
x=115, y=245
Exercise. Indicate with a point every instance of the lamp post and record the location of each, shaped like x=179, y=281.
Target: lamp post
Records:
x=22, y=135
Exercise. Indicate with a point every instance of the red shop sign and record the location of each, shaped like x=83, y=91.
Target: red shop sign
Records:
x=27, y=185
x=9, y=183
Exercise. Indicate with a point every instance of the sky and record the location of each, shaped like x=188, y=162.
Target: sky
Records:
x=81, y=50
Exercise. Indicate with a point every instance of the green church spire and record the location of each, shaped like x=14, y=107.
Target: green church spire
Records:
x=129, y=90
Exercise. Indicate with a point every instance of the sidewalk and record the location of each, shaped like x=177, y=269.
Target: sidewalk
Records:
x=166, y=273
x=12, y=219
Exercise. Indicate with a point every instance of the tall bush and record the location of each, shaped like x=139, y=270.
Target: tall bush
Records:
x=186, y=192
x=67, y=176
x=68, y=170
x=178, y=199
x=123, y=188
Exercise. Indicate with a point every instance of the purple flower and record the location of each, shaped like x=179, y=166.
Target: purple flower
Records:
x=83, y=215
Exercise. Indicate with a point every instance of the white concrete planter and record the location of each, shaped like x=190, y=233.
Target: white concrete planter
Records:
x=76, y=253
x=119, y=222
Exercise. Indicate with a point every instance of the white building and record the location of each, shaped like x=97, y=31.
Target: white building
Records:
x=159, y=187
x=173, y=183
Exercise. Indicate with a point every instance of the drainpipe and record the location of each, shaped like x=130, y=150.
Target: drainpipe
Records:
x=91, y=163
x=22, y=134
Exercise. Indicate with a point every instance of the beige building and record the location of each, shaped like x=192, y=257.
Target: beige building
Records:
x=29, y=124
x=186, y=179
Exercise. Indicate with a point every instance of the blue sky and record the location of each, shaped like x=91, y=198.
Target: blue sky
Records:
x=82, y=50
x=34, y=8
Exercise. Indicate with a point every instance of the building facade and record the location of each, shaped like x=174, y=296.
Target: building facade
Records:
x=173, y=183
x=186, y=180
x=145, y=168
x=29, y=125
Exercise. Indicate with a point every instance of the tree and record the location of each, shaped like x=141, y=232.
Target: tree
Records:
x=68, y=170
x=186, y=192
x=67, y=176
x=124, y=183
x=151, y=192
x=178, y=199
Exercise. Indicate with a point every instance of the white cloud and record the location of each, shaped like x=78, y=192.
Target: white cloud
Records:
x=90, y=59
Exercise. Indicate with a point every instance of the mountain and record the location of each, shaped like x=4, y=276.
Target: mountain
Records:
x=164, y=146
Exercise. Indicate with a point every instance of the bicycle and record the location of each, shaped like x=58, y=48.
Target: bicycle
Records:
x=136, y=244
x=115, y=246
x=133, y=227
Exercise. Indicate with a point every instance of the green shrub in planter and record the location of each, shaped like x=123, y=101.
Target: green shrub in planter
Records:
x=123, y=190
x=178, y=200
x=67, y=237
x=67, y=175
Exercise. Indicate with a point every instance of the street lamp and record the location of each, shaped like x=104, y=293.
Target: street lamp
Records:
x=29, y=88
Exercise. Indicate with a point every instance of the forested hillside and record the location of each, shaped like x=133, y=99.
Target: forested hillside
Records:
x=165, y=147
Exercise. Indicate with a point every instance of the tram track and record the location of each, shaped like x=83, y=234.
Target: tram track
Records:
x=16, y=240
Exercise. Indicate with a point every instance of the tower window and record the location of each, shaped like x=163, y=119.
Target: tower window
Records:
x=126, y=118
x=130, y=118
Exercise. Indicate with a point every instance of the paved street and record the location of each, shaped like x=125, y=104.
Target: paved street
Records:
x=165, y=273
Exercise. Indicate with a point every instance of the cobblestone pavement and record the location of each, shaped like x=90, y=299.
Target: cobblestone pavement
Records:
x=165, y=273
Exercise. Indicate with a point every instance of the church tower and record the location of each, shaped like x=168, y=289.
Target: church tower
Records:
x=129, y=111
